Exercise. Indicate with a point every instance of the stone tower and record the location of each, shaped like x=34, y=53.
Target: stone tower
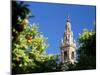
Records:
x=68, y=45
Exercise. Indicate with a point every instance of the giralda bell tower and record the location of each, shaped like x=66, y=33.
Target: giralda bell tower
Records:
x=68, y=45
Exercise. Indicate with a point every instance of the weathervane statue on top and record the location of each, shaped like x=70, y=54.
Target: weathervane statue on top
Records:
x=68, y=45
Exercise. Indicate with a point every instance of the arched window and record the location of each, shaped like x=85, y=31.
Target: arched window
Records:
x=65, y=55
x=72, y=55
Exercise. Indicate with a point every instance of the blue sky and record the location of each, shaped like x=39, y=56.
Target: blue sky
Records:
x=52, y=19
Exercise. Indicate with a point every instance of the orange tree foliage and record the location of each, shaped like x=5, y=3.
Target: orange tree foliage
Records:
x=28, y=44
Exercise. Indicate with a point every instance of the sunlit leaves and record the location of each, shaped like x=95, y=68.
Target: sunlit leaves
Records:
x=87, y=50
x=85, y=35
x=31, y=54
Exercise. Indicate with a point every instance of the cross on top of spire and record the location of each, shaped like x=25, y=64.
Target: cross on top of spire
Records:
x=68, y=19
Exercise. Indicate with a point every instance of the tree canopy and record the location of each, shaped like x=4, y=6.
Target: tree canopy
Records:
x=87, y=50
